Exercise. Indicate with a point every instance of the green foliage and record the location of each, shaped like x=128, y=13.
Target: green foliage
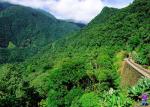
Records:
x=108, y=79
x=29, y=30
x=104, y=60
x=119, y=57
x=14, y=90
x=63, y=81
x=142, y=86
x=39, y=86
x=74, y=70
x=72, y=95
x=144, y=54
x=115, y=99
x=89, y=100
x=11, y=45
x=104, y=15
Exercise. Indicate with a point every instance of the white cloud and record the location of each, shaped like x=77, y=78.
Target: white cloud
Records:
x=78, y=10
x=117, y=3
x=84, y=10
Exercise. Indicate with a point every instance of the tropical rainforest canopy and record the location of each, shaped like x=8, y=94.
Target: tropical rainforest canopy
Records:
x=54, y=63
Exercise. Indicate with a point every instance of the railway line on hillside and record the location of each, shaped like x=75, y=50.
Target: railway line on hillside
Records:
x=144, y=72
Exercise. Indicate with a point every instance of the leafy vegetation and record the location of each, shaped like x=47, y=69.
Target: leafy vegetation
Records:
x=83, y=66
x=29, y=30
x=142, y=86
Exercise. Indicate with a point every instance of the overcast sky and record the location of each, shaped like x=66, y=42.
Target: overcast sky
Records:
x=78, y=10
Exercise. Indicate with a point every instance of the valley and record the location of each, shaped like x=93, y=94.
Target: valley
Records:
x=46, y=62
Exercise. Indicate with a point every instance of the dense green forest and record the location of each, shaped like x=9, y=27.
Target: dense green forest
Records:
x=28, y=30
x=82, y=68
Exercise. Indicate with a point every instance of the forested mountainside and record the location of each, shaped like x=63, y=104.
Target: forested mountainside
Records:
x=33, y=27
x=24, y=27
x=82, y=69
x=4, y=5
x=105, y=15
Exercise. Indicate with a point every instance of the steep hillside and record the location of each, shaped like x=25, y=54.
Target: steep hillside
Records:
x=4, y=5
x=128, y=28
x=81, y=70
x=30, y=27
x=25, y=27
x=105, y=15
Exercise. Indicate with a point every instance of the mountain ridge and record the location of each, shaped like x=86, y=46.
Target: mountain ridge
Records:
x=35, y=18
x=28, y=30
x=82, y=69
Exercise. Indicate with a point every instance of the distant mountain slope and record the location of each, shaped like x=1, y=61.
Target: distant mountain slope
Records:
x=79, y=24
x=4, y=5
x=31, y=27
x=28, y=30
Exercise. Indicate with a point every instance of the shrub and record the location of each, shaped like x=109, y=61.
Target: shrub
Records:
x=89, y=100
x=142, y=86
